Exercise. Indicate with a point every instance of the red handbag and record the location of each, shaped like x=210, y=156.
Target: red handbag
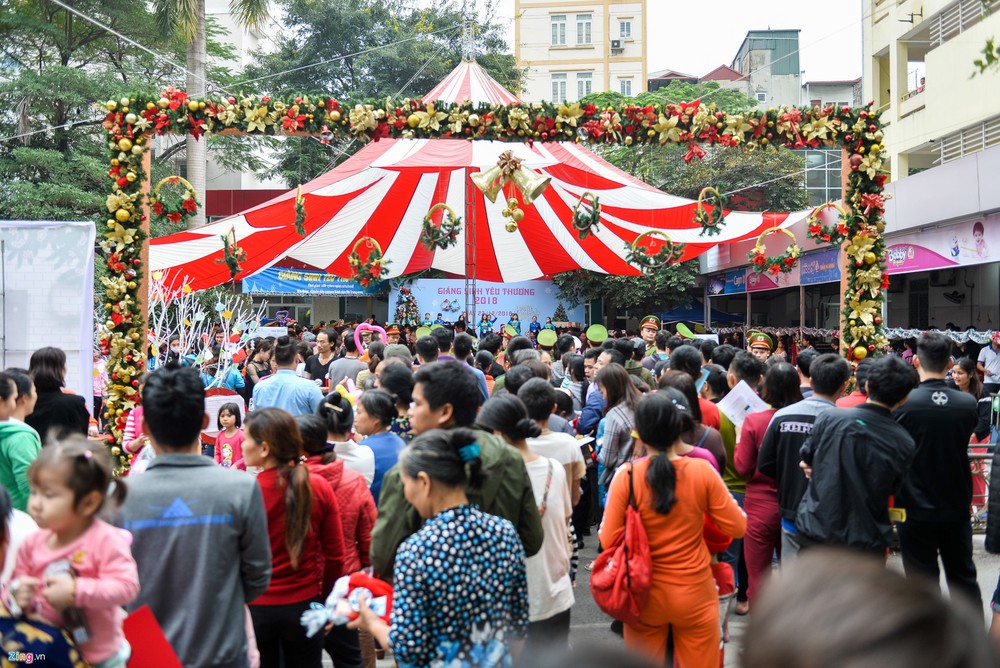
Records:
x=620, y=579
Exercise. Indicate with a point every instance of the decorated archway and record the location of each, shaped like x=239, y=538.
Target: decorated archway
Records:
x=131, y=123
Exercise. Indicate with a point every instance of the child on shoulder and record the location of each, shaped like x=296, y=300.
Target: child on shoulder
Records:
x=77, y=571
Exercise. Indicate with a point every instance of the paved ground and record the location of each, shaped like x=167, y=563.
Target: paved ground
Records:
x=592, y=626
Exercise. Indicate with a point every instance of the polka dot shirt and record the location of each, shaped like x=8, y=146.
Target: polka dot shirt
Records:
x=460, y=592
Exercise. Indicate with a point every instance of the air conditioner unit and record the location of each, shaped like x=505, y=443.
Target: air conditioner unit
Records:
x=616, y=45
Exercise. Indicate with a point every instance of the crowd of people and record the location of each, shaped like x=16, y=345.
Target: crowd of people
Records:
x=468, y=474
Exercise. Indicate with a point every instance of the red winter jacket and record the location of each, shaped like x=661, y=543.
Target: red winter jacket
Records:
x=357, y=509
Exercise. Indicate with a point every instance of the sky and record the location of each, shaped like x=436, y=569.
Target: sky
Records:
x=681, y=39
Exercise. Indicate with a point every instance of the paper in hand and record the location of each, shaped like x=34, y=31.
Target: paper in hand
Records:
x=741, y=402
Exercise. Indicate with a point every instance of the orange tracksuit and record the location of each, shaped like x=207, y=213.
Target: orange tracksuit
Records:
x=682, y=594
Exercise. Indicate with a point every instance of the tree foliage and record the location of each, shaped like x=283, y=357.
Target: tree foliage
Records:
x=666, y=287
x=749, y=179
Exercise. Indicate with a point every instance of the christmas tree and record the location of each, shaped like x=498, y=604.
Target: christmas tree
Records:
x=406, y=308
x=560, y=314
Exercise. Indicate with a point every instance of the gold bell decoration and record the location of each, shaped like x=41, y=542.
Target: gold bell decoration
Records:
x=508, y=170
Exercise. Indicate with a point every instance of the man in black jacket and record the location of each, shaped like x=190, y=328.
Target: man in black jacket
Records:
x=790, y=427
x=856, y=459
x=937, y=491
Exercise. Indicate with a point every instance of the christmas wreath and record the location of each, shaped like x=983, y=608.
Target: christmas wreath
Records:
x=233, y=256
x=587, y=218
x=177, y=202
x=300, y=213
x=648, y=262
x=776, y=264
x=444, y=235
x=831, y=234
x=370, y=269
x=711, y=222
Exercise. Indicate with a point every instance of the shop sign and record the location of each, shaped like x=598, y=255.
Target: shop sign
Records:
x=972, y=242
x=821, y=267
x=276, y=281
x=736, y=281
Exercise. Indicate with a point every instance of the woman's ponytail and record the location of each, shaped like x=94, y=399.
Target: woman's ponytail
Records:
x=469, y=452
x=659, y=421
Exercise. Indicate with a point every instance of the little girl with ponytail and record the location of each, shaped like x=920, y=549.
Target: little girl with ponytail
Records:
x=77, y=571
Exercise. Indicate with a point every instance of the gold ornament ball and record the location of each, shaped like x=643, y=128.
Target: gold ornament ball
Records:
x=870, y=258
x=116, y=451
x=853, y=323
x=517, y=215
x=136, y=150
x=110, y=324
x=125, y=144
x=628, y=141
x=335, y=116
x=130, y=177
x=860, y=353
x=511, y=226
x=512, y=202
x=123, y=102
x=131, y=118
x=474, y=120
x=202, y=105
x=111, y=105
x=122, y=215
x=650, y=132
x=150, y=106
x=164, y=103
x=413, y=120
x=114, y=162
x=192, y=106
x=506, y=212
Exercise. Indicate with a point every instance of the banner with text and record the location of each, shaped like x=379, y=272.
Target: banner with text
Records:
x=975, y=241
x=821, y=267
x=276, y=281
x=526, y=298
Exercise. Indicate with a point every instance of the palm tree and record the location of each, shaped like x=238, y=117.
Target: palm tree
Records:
x=188, y=16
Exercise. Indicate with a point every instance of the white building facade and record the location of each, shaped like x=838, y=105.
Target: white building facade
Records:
x=942, y=143
x=572, y=49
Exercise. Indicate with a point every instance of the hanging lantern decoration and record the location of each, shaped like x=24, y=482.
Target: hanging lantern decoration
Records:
x=300, y=213
x=233, y=256
x=761, y=262
x=640, y=252
x=373, y=267
x=444, y=235
x=508, y=169
x=174, y=200
x=587, y=215
x=817, y=230
x=710, y=222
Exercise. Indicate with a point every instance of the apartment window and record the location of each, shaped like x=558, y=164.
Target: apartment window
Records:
x=762, y=97
x=559, y=87
x=558, y=30
x=584, y=84
x=625, y=86
x=584, y=33
x=625, y=29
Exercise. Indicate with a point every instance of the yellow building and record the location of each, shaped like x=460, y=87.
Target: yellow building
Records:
x=572, y=49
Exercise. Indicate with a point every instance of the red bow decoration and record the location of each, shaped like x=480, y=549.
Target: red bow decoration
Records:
x=872, y=201
x=694, y=151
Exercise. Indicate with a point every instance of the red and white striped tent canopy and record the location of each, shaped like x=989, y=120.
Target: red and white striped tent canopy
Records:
x=385, y=190
x=470, y=82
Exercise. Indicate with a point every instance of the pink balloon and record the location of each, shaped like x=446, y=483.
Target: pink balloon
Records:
x=366, y=327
